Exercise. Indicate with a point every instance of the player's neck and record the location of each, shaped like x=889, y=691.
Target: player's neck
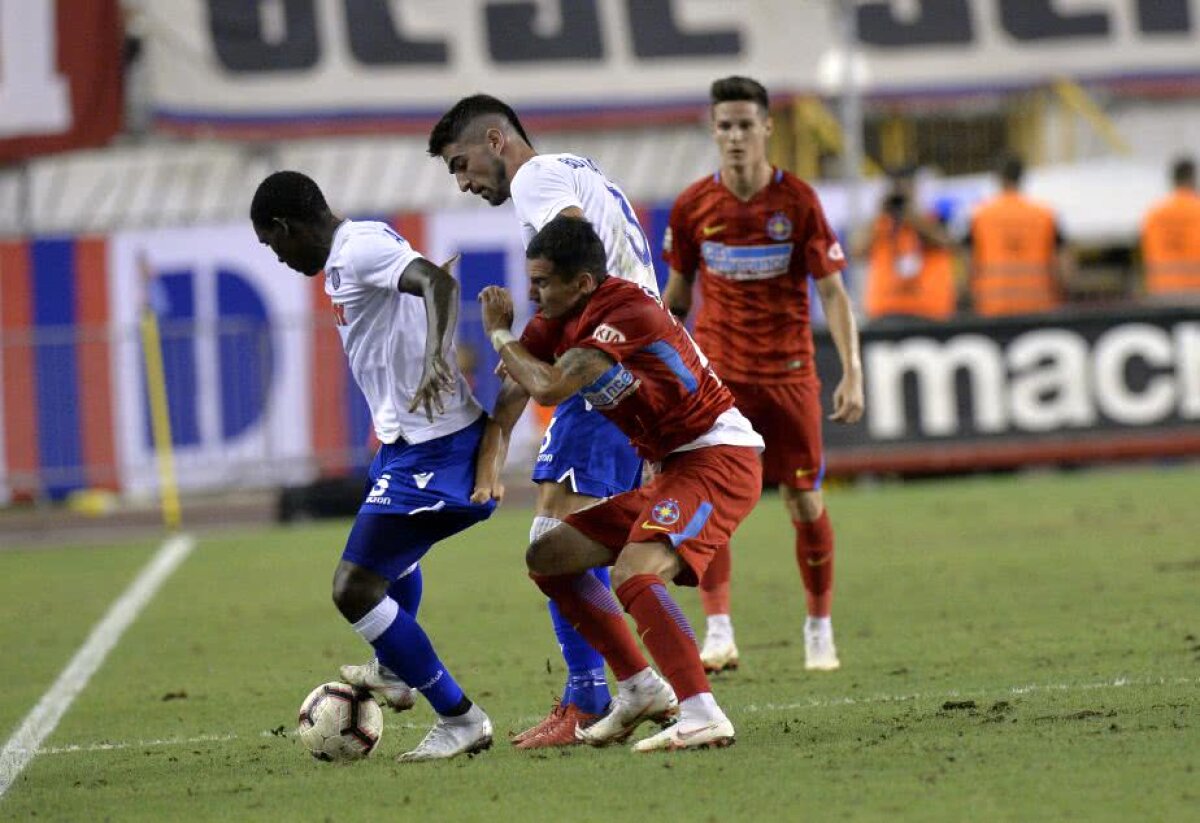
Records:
x=746, y=181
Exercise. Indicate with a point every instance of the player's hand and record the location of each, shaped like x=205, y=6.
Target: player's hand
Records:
x=497, y=305
x=435, y=380
x=485, y=492
x=500, y=371
x=848, y=401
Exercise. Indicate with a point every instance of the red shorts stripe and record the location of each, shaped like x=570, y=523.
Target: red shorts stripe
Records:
x=694, y=504
x=788, y=416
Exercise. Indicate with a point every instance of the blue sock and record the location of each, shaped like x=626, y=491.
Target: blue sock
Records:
x=402, y=645
x=407, y=590
x=586, y=686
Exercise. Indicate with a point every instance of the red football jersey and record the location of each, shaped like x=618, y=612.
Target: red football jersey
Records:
x=754, y=260
x=660, y=392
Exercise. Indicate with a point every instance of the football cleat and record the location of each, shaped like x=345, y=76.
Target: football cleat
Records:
x=379, y=680
x=820, y=655
x=556, y=713
x=561, y=730
x=452, y=736
x=629, y=709
x=718, y=655
x=716, y=734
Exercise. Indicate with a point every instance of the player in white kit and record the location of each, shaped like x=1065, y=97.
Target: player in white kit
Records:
x=583, y=457
x=396, y=314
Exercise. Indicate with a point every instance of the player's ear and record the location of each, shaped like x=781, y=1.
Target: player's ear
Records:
x=495, y=139
x=769, y=125
x=282, y=224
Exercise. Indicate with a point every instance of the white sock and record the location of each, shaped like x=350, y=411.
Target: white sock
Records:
x=719, y=626
x=376, y=621
x=646, y=677
x=700, y=709
x=819, y=625
x=541, y=525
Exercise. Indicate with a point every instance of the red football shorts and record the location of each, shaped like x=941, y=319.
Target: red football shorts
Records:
x=694, y=504
x=788, y=416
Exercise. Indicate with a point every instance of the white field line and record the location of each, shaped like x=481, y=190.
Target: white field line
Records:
x=23, y=746
x=1117, y=683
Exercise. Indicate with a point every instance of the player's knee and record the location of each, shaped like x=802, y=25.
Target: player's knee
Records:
x=355, y=594
x=539, y=555
x=805, y=506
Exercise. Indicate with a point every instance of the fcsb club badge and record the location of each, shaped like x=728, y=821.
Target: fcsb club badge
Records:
x=666, y=512
x=779, y=227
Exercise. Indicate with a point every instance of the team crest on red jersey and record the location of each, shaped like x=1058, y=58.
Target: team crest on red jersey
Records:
x=779, y=227
x=665, y=512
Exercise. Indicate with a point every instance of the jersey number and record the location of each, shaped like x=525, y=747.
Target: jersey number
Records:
x=634, y=233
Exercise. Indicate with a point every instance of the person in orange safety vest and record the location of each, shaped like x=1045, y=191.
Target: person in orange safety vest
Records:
x=1171, y=239
x=1019, y=260
x=910, y=261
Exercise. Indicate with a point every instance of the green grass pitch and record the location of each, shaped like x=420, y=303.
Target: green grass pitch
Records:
x=1013, y=648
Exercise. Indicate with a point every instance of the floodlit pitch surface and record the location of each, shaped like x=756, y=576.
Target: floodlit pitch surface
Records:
x=1022, y=647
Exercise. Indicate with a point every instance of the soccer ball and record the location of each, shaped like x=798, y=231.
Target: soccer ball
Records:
x=340, y=723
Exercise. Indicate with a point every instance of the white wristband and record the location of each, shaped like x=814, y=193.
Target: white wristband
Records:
x=501, y=338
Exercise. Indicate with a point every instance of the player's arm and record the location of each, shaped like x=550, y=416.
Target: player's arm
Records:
x=493, y=447
x=547, y=383
x=848, y=396
x=439, y=290
x=678, y=294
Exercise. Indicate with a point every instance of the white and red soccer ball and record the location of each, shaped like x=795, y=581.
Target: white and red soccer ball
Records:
x=340, y=723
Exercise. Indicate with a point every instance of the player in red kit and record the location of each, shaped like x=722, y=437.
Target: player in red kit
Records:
x=755, y=235
x=610, y=340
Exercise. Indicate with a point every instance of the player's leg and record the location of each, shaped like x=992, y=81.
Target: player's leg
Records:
x=406, y=590
x=558, y=562
x=582, y=459
x=689, y=510
x=801, y=472
x=814, y=556
x=719, y=652
x=379, y=546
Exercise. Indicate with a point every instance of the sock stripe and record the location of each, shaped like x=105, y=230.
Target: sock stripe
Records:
x=597, y=594
x=672, y=609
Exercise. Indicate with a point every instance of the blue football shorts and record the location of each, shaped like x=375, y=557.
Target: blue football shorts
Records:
x=424, y=491
x=584, y=450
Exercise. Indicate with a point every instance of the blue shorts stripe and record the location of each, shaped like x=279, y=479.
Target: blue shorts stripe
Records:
x=693, y=526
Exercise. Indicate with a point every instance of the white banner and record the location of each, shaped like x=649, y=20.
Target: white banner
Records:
x=235, y=337
x=266, y=66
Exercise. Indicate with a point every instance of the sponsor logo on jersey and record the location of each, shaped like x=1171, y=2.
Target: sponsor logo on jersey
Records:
x=422, y=479
x=779, y=227
x=607, y=334
x=709, y=231
x=667, y=240
x=747, y=262
x=378, y=494
x=665, y=512
x=836, y=253
x=608, y=390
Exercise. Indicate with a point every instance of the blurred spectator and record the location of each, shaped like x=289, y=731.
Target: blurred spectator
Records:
x=1171, y=239
x=1020, y=263
x=910, y=260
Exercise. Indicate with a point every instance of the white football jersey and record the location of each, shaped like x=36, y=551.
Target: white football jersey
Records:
x=383, y=333
x=548, y=183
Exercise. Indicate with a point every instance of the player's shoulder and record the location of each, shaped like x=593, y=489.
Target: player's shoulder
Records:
x=795, y=187
x=363, y=245
x=695, y=196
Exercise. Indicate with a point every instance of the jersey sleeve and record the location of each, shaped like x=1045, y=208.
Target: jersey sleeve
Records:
x=378, y=259
x=679, y=243
x=823, y=253
x=541, y=190
x=541, y=337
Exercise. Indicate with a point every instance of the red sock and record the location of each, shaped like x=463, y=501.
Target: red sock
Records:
x=814, y=556
x=590, y=607
x=714, y=586
x=666, y=633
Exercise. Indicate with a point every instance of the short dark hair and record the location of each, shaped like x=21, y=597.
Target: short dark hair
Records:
x=729, y=89
x=288, y=194
x=454, y=122
x=1012, y=169
x=572, y=247
x=1183, y=172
